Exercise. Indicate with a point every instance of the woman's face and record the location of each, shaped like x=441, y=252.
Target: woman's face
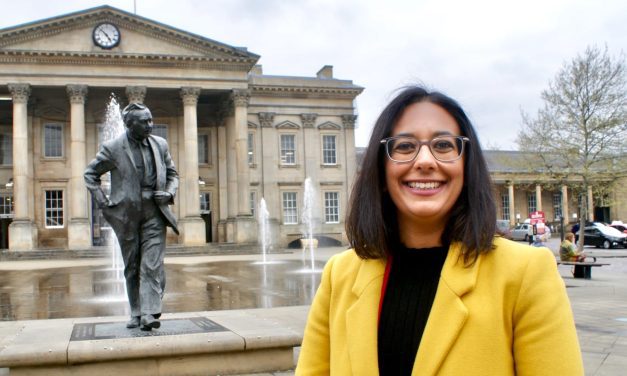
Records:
x=424, y=190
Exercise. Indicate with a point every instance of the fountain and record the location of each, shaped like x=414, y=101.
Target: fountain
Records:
x=111, y=282
x=309, y=202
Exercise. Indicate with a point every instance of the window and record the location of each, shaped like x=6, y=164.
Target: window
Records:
x=251, y=148
x=160, y=130
x=329, y=155
x=253, y=203
x=557, y=205
x=505, y=205
x=290, y=211
x=53, y=140
x=531, y=202
x=6, y=205
x=331, y=207
x=54, y=208
x=203, y=149
x=205, y=202
x=6, y=149
x=288, y=149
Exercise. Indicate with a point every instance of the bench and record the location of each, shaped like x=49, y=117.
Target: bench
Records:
x=583, y=269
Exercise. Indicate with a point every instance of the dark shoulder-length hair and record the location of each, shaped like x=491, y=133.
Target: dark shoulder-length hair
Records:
x=371, y=225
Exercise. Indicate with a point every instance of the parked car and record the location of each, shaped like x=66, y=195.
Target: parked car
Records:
x=620, y=227
x=521, y=232
x=503, y=228
x=600, y=235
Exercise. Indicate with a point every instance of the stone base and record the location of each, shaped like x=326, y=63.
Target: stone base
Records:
x=22, y=235
x=241, y=230
x=79, y=234
x=192, y=231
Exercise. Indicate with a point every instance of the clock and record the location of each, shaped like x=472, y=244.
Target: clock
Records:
x=106, y=35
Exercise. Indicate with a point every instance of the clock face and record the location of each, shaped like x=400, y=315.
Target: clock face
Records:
x=106, y=35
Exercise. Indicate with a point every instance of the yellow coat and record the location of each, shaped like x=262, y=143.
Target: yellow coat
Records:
x=508, y=314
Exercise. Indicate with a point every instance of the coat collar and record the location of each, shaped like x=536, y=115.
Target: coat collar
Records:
x=446, y=319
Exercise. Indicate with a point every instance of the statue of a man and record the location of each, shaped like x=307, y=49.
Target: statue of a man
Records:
x=143, y=184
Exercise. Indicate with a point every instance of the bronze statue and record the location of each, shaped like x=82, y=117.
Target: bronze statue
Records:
x=143, y=184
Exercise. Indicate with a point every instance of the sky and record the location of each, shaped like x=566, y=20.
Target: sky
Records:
x=493, y=56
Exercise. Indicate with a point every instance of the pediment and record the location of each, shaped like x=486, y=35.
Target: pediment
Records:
x=287, y=125
x=71, y=35
x=252, y=125
x=329, y=125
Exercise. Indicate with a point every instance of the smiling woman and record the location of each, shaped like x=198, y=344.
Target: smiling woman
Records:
x=428, y=287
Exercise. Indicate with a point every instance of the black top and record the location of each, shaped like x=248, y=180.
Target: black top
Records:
x=411, y=287
x=142, y=156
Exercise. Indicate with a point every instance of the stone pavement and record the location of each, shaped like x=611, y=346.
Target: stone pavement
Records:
x=599, y=305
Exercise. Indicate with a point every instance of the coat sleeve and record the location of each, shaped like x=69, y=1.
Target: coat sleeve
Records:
x=545, y=338
x=172, y=176
x=95, y=169
x=314, y=358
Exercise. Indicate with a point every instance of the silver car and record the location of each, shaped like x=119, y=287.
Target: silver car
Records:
x=521, y=232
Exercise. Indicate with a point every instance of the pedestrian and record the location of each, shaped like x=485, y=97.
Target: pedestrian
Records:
x=143, y=184
x=428, y=288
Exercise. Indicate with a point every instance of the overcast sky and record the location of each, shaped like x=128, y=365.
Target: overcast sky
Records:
x=493, y=56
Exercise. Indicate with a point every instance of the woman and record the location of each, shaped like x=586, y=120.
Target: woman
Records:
x=428, y=288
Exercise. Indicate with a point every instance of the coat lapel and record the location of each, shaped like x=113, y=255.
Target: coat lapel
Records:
x=127, y=149
x=362, y=316
x=161, y=178
x=448, y=313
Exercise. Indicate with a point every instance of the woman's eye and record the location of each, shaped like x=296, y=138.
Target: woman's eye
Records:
x=442, y=145
x=404, y=147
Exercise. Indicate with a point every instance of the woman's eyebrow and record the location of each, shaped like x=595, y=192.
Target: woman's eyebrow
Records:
x=435, y=134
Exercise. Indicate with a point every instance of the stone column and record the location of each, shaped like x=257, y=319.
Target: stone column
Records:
x=512, y=207
x=311, y=147
x=538, y=197
x=565, y=213
x=240, y=100
x=246, y=226
x=79, y=229
x=590, y=205
x=136, y=94
x=192, y=226
x=231, y=164
x=348, y=121
x=22, y=231
x=223, y=192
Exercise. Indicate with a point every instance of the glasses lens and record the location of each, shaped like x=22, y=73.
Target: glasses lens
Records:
x=402, y=148
x=446, y=148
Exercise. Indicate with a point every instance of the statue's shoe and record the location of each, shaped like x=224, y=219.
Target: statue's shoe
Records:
x=148, y=322
x=133, y=322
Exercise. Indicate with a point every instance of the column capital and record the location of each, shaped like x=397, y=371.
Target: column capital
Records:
x=19, y=92
x=240, y=97
x=308, y=120
x=349, y=121
x=190, y=95
x=266, y=119
x=136, y=94
x=76, y=93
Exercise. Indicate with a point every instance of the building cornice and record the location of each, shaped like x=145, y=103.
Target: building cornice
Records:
x=108, y=59
x=304, y=91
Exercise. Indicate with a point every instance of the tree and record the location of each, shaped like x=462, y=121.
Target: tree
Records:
x=580, y=132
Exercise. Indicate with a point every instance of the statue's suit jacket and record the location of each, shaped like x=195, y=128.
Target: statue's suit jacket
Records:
x=507, y=314
x=125, y=200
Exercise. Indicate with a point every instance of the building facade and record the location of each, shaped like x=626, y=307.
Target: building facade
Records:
x=235, y=134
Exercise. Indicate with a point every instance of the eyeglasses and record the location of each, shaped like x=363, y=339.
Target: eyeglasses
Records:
x=404, y=149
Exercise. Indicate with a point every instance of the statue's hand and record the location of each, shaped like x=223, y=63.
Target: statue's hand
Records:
x=162, y=197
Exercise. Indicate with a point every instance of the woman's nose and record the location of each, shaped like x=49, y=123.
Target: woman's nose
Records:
x=425, y=158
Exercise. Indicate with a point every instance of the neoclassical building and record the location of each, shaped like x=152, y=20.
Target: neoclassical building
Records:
x=235, y=134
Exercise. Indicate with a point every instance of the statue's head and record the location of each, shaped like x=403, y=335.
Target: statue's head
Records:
x=138, y=120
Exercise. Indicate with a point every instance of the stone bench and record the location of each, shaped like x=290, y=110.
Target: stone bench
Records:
x=192, y=343
x=583, y=269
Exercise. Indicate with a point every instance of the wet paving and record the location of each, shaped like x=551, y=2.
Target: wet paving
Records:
x=90, y=291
